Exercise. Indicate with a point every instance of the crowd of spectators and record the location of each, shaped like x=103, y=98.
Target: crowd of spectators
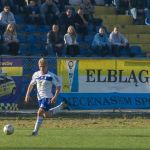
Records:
x=66, y=25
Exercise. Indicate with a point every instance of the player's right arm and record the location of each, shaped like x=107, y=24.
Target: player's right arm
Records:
x=27, y=97
x=30, y=87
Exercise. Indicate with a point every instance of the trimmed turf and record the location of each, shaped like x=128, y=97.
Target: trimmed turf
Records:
x=78, y=134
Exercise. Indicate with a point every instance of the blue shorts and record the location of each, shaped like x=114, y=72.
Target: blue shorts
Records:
x=45, y=104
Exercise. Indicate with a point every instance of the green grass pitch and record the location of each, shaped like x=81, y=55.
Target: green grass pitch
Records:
x=77, y=134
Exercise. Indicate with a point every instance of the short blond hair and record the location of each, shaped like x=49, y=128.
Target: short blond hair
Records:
x=42, y=61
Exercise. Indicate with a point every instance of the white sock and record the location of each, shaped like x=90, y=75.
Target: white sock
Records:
x=38, y=123
x=56, y=109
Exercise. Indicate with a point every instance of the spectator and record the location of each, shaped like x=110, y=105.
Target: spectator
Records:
x=116, y=3
x=124, y=7
x=49, y=12
x=9, y=3
x=17, y=6
x=55, y=42
x=61, y=4
x=6, y=17
x=147, y=11
x=136, y=7
x=72, y=47
x=81, y=23
x=66, y=19
x=33, y=13
x=20, y=5
x=118, y=42
x=88, y=9
x=100, y=44
x=10, y=39
x=108, y=2
x=121, y=5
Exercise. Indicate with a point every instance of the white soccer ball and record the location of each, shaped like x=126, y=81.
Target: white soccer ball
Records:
x=8, y=129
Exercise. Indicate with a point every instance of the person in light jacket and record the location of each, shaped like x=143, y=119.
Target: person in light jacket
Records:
x=118, y=42
x=6, y=17
x=70, y=39
x=100, y=44
x=10, y=39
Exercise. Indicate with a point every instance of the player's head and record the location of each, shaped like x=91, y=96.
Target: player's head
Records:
x=42, y=65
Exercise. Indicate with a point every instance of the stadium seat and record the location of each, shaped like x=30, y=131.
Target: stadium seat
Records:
x=31, y=39
x=136, y=50
x=116, y=19
x=134, y=29
x=20, y=28
x=22, y=37
x=124, y=53
x=138, y=38
x=19, y=19
x=89, y=38
x=24, y=49
x=102, y=10
x=30, y=28
x=144, y=47
x=44, y=28
x=99, y=2
x=42, y=38
x=74, y=2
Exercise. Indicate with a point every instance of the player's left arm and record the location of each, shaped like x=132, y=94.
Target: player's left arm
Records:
x=57, y=83
x=54, y=98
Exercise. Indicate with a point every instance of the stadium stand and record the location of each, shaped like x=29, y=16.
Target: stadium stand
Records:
x=138, y=35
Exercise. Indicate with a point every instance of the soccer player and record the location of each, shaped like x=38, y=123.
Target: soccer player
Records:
x=43, y=79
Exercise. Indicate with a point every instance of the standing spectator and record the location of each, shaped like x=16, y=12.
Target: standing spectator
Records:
x=133, y=10
x=20, y=5
x=61, y=4
x=108, y=2
x=6, y=17
x=81, y=23
x=49, y=12
x=55, y=42
x=147, y=11
x=100, y=44
x=116, y=3
x=33, y=13
x=10, y=39
x=72, y=47
x=66, y=19
x=136, y=7
x=118, y=42
x=88, y=9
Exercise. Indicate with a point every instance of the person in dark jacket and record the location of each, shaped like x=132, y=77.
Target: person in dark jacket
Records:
x=33, y=13
x=49, y=12
x=81, y=23
x=66, y=19
x=55, y=42
x=136, y=7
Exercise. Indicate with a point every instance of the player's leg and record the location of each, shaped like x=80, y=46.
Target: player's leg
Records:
x=58, y=108
x=39, y=120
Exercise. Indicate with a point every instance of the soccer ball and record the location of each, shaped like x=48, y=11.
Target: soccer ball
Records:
x=8, y=129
